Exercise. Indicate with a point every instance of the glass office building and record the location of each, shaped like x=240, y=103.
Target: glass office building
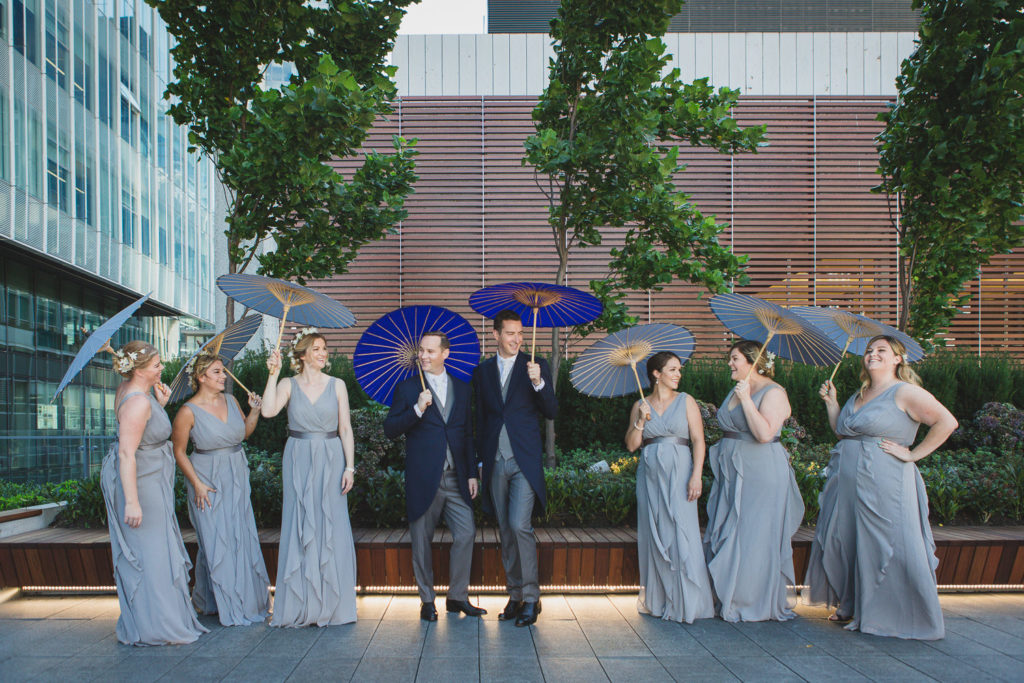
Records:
x=100, y=202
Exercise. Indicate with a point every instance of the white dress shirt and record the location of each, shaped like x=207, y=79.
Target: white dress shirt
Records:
x=439, y=384
x=505, y=366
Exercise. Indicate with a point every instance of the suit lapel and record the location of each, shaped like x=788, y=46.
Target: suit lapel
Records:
x=496, y=376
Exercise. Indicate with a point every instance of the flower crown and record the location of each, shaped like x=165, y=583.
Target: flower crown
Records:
x=124, y=362
x=190, y=366
x=305, y=331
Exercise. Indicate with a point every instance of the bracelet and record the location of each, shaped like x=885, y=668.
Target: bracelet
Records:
x=350, y=469
x=638, y=428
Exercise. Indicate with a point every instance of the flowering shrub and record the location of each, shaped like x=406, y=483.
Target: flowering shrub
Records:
x=998, y=426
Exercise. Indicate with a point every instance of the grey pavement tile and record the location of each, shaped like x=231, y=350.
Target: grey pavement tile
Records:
x=820, y=667
x=108, y=647
x=900, y=647
x=983, y=604
x=386, y=669
x=172, y=652
x=1008, y=624
x=757, y=668
x=325, y=669
x=778, y=640
x=81, y=668
x=28, y=607
x=345, y=642
x=591, y=607
x=991, y=637
x=561, y=639
x=667, y=638
x=502, y=669
x=291, y=642
x=958, y=646
x=700, y=669
x=502, y=639
x=614, y=639
x=139, y=669
x=397, y=639
x=719, y=636
x=372, y=607
x=553, y=607
x=452, y=637
x=945, y=668
x=234, y=641
x=199, y=668
x=883, y=667
x=569, y=669
x=406, y=608
x=633, y=669
x=447, y=669
x=834, y=639
x=27, y=668
x=1000, y=666
x=262, y=668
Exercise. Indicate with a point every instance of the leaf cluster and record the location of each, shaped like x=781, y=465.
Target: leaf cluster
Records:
x=273, y=146
x=953, y=151
x=609, y=126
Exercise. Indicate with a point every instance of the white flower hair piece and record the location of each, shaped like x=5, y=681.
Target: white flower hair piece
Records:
x=770, y=363
x=190, y=366
x=124, y=362
x=298, y=337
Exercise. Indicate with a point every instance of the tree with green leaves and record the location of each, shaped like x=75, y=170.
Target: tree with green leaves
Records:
x=273, y=146
x=606, y=154
x=952, y=154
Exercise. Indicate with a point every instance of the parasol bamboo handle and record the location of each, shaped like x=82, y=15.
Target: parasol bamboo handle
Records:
x=533, y=342
x=107, y=347
x=423, y=385
x=237, y=381
x=760, y=352
x=841, y=356
x=280, y=333
x=639, y=386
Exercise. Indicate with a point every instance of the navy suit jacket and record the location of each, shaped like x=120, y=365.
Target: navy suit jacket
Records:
x=520, y=412
x=426, y=439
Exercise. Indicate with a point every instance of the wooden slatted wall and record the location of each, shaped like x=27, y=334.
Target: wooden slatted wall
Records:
x=801, y=208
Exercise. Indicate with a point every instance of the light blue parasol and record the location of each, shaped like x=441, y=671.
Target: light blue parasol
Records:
x=98, y=341
x=227, y=345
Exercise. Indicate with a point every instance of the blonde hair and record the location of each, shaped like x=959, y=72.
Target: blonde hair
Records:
x=202, y=363
x=134, y=354
x=749, y=350
x=300, y=347
x=904, y=372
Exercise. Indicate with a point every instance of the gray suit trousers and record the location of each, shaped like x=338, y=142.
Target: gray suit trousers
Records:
x=459, y=518
x=513, y=503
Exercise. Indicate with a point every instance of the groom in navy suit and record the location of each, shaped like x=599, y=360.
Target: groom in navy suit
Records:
x=440, y=472
x=512, y=394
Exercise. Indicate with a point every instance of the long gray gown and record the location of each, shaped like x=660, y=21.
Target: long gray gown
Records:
x=674, y=582
x=231, y=577
x=316, y=565
x=873, y=554
x=753, y=511
x=150, y=562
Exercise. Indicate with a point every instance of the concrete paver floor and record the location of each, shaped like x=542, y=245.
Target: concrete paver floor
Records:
x=578, y=638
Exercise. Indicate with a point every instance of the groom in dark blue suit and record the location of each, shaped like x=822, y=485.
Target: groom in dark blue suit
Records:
x=512, y=394
x=440, y=471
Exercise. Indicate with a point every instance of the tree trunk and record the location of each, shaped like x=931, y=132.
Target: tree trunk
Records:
x=556, y=350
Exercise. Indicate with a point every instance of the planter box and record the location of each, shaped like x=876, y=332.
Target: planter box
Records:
x=23, y=520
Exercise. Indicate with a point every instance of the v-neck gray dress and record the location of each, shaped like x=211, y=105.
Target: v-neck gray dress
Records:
x=231, y=577
x=674, y=582
x=316, y=564
x=873, y=555
x=150, y=562
x=754, y=509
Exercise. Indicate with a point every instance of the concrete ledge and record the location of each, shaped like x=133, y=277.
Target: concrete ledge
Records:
x=23, y=520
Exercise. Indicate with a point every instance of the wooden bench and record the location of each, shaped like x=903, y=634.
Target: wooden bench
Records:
x=569, y=559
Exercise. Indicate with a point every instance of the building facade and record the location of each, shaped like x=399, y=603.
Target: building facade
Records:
x=100, y=203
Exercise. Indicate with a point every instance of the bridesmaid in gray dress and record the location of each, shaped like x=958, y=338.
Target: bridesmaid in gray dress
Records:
x=674, y=582
x=316, y=568
x=873, y=556
x=150, y=563
x=231, y=577
x=755, y=506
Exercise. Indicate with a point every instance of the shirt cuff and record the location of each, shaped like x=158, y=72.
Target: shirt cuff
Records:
x=416, y=409
x=538, y=387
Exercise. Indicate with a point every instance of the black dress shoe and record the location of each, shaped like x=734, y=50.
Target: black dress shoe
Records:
x=428, y=612
x=464, y=607
x=511, y=610
x=528, y=614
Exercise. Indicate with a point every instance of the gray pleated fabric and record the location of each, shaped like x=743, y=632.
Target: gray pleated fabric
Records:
x=150, y=562
x=231, y=577
x=674, y=582
x=316, y=565
x=753, y=511
x=873, y=555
